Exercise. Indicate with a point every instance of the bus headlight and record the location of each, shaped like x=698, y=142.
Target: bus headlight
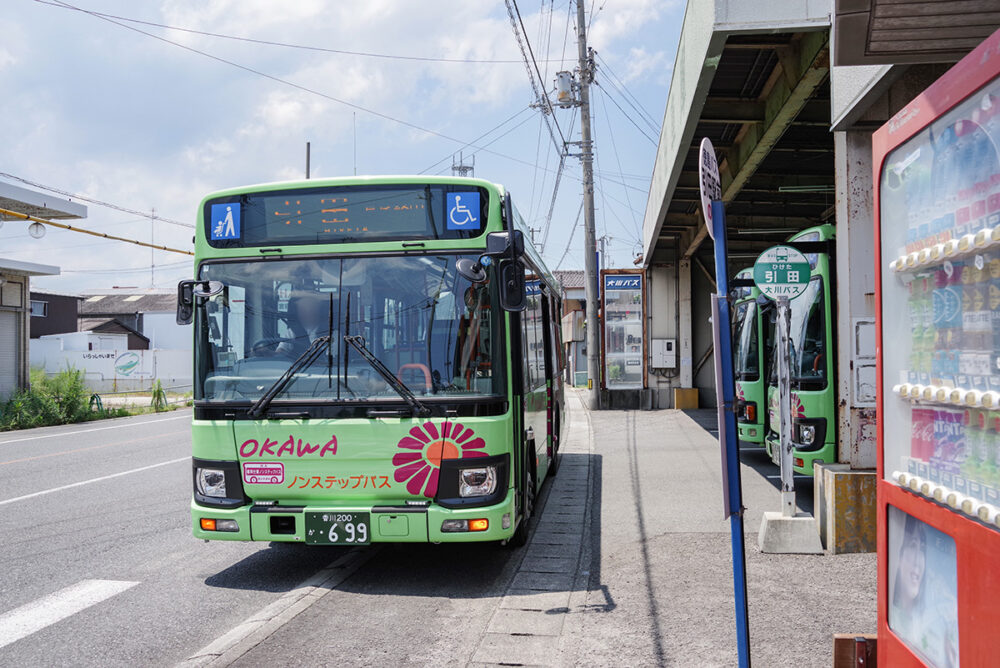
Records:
x=809, y=434
x=211, y=482
x=479, y=481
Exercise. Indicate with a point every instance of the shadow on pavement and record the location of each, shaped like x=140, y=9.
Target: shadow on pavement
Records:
x=756, y=458
x=278, y=569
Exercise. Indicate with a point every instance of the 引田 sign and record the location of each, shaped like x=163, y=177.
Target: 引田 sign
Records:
x=781, y=271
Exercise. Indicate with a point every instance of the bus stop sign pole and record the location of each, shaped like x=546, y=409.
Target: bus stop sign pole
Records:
x=726, y=401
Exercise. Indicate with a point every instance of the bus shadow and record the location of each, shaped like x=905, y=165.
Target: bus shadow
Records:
x=755, y=457
x=278, y=569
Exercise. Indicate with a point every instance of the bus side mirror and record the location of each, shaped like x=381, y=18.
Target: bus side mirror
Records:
x=188, y=291
x=513, y=296
x=185, y=302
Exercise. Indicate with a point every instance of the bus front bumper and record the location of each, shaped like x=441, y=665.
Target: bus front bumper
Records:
x=385, y=524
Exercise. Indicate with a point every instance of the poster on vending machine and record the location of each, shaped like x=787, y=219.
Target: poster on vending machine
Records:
x=923, y=586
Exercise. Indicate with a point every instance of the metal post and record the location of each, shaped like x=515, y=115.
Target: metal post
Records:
x=592, y=289
x=785, y=409
x=726, y=395
x=308, y=158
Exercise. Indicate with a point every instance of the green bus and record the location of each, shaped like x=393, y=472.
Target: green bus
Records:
x=376, y=359
x=813, y=360
x=750, y=346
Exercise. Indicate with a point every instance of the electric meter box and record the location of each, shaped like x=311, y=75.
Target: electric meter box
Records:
x=664, y=353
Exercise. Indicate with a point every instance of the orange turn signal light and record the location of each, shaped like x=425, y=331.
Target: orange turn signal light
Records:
x=207, y=524
x=798, y=462
x=479, y=525
x=751, y=413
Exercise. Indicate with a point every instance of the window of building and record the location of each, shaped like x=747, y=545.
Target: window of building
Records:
x=39, y=309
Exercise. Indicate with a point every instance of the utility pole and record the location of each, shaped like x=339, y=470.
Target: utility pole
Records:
x=308, y=157
x=460, y=168
x=592, y=289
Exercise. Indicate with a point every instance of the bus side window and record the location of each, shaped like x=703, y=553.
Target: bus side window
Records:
x=527, y=335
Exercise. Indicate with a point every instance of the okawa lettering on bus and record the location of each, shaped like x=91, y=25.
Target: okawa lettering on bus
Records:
x=291, y=448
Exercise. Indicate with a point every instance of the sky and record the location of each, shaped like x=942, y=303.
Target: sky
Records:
x=128, y=110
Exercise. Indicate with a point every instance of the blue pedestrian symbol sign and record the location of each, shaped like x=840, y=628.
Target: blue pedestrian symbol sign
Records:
x=226, y=221
x=463, y=211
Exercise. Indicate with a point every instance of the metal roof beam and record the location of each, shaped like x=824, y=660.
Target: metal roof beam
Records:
x=811, y=55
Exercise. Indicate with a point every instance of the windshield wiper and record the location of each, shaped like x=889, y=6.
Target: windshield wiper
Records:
x=358, y=343
x=314, y=350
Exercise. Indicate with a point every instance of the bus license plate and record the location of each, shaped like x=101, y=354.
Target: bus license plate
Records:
x=338, y=528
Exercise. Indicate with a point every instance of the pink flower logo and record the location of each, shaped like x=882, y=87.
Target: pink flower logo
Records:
x=422, y=451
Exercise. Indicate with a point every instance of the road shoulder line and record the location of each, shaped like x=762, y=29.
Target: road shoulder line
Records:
x=239, y=640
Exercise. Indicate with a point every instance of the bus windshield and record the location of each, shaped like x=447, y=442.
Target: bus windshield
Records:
x=745, y=337
x=808, y=337
x=430, y=326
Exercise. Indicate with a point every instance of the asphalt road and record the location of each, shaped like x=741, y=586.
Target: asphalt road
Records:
x=100, y=567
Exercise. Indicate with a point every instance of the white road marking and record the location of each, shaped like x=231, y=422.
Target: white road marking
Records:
x=87, y=482
x=35, y=616
x=87, y=431
x=230, y=646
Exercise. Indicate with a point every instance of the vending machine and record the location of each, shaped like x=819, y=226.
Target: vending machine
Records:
x=937, y=217
x=624, y=337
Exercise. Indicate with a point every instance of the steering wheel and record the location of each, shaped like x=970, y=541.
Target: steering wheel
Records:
x=267, y=346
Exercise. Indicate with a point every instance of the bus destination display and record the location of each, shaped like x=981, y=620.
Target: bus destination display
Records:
x=350, y=214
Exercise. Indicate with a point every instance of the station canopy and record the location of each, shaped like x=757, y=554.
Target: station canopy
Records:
x=756, y=82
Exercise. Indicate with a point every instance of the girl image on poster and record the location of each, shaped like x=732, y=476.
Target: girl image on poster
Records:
x=923, y=603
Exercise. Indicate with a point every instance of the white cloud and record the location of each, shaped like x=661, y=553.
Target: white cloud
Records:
x=640, y=62
x=6, y=58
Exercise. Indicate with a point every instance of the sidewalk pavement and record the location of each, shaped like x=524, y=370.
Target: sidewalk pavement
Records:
x=652, y=583
x=659, y=559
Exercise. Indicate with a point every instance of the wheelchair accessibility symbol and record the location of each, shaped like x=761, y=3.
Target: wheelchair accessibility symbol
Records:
x=463, y=211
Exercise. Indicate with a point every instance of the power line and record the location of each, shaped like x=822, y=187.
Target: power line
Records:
x=287, y=45
x=91, y=200
x=552, y=204
x=541, y=97
x=186, y=263
x=73, y=228
x=625, y=114
x=654, y=128
x=572, y=233
x=614, y=148
x=480, y=137
x=628, y=93
x=290, y=84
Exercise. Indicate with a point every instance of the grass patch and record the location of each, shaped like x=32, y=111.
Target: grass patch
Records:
x=52, y=400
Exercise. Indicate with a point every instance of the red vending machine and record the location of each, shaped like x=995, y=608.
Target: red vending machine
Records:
x=937, y=217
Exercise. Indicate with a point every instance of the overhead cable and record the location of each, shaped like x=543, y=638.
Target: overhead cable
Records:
x=527, y=54
x=74, y=228
x=91, y=200
x=287, y=45
x=290, y=84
